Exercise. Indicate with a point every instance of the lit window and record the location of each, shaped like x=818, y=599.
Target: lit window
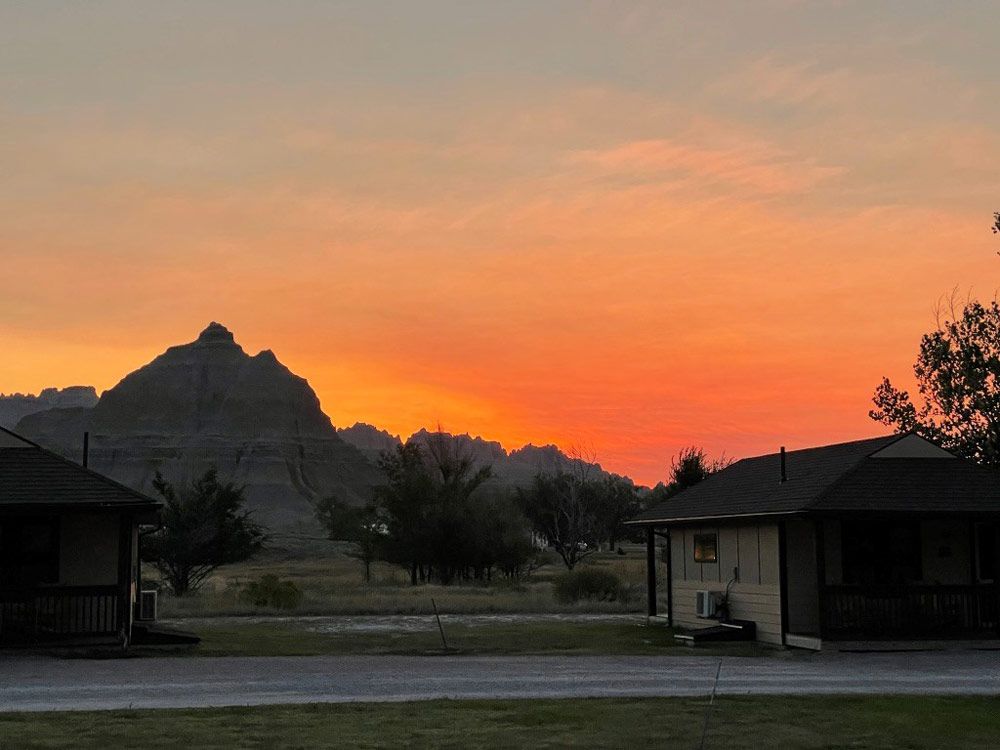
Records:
x=706, y=548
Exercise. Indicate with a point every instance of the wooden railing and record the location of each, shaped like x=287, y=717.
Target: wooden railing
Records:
x=58, y=612
x=910, y=611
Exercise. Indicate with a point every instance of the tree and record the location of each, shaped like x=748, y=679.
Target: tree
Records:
x=406, y=499
x=958, y=378
x=688, y=467
x=204, y=527
x=563, y=508
x=443, y=520
x=996, y=225
x=364, y=527
x=616, y=502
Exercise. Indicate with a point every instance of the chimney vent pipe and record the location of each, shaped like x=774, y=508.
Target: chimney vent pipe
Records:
x=784, y=466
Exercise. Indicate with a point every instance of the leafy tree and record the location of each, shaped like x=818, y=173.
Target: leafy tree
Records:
x=616, y=501
x=443, y=520
x=563, y=508
x=500, y=536
x=958, y=379
x=204, y=527
x=407, y=498
x=364, y=527
x=688, y=467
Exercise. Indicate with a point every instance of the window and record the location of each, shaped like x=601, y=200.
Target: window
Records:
x=881, y=552
x=706, y=548
x=986, y=546
x=29, y=552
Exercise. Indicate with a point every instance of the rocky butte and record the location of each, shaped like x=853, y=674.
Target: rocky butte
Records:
x=16, y=406
x=209, y=403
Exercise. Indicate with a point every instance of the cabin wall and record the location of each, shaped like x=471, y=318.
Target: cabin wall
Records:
x=752, y=548
x=945, y=549
x=946, y=553
x=88, y=549
x=802, y=585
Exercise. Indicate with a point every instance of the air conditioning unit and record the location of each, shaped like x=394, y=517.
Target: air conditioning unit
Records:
x=147, y=606
x=704, y=604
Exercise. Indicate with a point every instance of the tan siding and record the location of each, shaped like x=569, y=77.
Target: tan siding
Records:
x=692, y=569
x=759, y=604
x=755, y=597
x=677, y=553
x=769, y=568
x=749, y=559
x=728, y=553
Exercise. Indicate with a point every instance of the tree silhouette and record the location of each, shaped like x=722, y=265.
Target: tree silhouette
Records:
x=204, y=527
x=365, y=528
x=958, y=378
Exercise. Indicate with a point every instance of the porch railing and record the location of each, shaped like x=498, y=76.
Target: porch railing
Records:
x=910, y=611
x=59, y=612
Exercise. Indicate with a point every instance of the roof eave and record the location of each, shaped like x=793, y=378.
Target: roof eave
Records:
x=728, y=516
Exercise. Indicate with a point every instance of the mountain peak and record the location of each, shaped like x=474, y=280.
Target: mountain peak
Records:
x=216, y=333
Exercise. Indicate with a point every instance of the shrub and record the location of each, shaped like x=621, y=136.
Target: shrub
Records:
x=588, y=583
x=270, y=591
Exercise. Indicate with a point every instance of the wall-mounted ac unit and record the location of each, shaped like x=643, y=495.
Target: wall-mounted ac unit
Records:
x=704, y=604
x=147, y=606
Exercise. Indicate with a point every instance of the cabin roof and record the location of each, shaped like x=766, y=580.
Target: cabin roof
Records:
x=841, y=478
x=33, y=477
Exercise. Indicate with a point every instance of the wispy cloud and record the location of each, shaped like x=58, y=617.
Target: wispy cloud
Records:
x=760, y=168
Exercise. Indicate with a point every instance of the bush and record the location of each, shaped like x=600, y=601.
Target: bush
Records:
x=589, y=583
x=270, y=591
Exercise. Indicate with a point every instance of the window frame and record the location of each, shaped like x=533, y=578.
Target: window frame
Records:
x=698, y=546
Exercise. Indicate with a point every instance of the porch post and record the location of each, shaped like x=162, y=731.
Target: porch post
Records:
x=651, y=571
x=821, y=575
x=670, y=580
x=125, y=577
x=783, y=578
x=996, y=574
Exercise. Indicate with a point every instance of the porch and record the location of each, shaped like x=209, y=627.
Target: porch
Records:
x=883, y=578
x=926, y=612
x=53, y=614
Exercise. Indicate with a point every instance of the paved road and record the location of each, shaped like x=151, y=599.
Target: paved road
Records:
x=39, y=683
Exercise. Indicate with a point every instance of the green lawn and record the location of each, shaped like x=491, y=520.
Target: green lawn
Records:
x=293, y=639
x=840, y=722
x=267, y=639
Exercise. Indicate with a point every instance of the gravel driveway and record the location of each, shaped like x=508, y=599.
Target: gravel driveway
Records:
x=45, y=683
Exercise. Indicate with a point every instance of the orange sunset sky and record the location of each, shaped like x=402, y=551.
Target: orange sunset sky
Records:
x=624, y=226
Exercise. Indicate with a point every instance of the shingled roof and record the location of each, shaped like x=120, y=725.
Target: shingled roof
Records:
x=35, y=478
x=835, y=478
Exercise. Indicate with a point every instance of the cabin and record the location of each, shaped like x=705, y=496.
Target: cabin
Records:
x=887, y=539
x=69, y=538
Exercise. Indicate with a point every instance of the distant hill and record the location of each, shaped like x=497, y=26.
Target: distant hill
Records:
x=16, y=406
x=516, y=468
x=210, y=403
x=369, y=439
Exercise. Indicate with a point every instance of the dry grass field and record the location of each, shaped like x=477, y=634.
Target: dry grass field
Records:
x=333, y=584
